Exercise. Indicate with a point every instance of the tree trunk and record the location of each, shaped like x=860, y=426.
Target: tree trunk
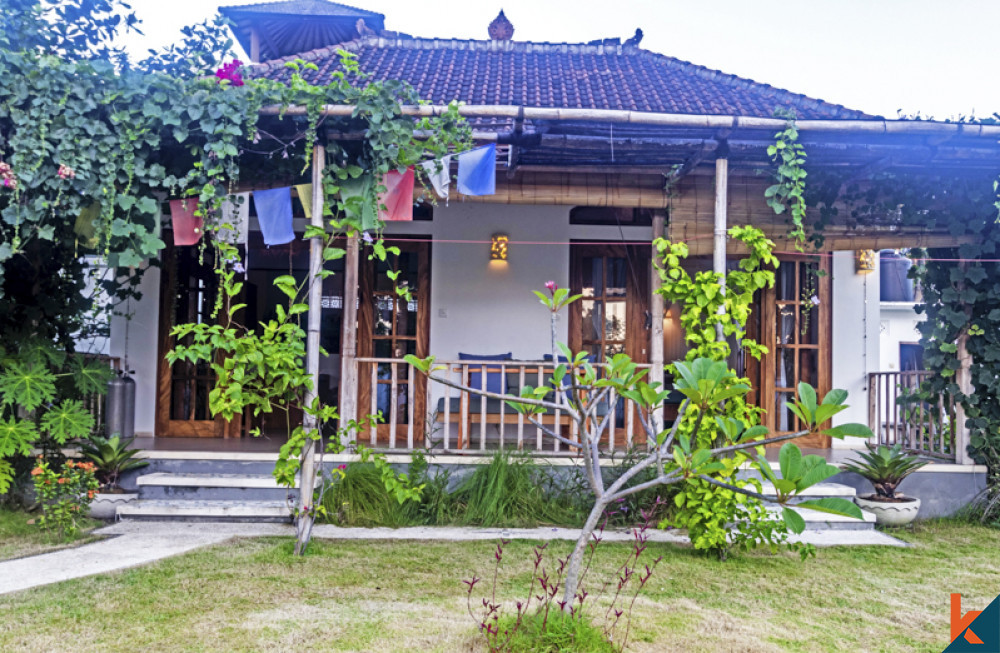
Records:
x=572, y=582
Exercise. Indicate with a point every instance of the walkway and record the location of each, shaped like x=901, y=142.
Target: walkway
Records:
x=134, y=543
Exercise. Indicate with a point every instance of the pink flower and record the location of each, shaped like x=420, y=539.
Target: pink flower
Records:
x=342, y=467
x=231, y=72
x=551, y=286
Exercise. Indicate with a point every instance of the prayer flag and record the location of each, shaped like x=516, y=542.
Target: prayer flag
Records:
x=305, y=192
x=355, y=193
x=477, y=171
x=274, y=212
x=236, y=213
x=187, y=226
x=438, y=173
x=398, y=197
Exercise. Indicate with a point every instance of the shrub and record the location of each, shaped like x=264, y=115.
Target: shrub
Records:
x=513, y=491
x=359, y=498
x=554, y=632
x=64, y=495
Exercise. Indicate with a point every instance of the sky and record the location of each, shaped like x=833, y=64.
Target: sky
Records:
x=935, y=58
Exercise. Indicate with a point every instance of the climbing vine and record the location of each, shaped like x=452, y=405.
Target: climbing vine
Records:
x=787, y=194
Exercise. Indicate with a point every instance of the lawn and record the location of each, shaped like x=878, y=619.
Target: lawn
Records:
x=252, y=595
x=19, y=537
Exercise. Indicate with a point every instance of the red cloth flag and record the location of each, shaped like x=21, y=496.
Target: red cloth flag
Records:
x=187, y=226
x=398, y=197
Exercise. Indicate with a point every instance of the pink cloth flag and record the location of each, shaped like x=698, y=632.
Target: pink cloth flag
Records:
x=187, y=226
x=398, y=197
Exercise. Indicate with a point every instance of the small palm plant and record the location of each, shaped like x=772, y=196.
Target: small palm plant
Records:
x=885, y=467
x=112, y=457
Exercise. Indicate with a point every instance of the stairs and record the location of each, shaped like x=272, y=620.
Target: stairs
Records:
x=210, y=490
x=822, y=521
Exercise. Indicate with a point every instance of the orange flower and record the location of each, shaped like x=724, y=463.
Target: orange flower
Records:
x=90, y=494
x=63, y=480
x=38, y=471
x=69, y=464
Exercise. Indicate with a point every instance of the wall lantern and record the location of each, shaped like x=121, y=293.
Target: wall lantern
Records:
x=498, y=247
x=866, y=261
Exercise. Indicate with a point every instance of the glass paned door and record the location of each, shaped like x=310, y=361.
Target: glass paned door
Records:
x=390, y=326
x=795, y=328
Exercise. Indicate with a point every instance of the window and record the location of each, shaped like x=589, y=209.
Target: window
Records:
x=611, y=216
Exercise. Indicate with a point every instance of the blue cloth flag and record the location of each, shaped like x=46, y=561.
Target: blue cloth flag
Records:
x=274, y=212
x=477, y=171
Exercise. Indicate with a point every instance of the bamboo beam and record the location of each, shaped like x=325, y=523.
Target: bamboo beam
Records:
x=349, y=339
x=656, y=332
x=734, y=123
x=307, y=474
x=719, y=232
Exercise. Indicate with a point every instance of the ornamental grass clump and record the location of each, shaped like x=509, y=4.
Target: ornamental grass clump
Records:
x=64, y=495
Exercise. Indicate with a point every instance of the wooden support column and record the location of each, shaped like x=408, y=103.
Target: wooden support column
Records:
x=656, y=332
x=963, y=377
x=719, y=242
x=307, y=474
x=349, y=338
x=254, y=45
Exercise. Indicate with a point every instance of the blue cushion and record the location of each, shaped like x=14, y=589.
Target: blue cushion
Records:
x=495, y=381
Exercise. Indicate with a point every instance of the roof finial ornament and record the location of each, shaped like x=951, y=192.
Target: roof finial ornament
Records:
x=363, y=29
x=501, y=29
x=635, y=40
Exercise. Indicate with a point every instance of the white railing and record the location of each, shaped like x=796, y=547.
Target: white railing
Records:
x=896, y=415
x=417, y=413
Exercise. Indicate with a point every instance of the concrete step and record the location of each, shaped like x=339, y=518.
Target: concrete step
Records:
x=211, y=487
x=818, y=491
x=187, y=510
x=823, y=521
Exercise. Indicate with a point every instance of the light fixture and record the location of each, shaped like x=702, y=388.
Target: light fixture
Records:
x=498, y=247
x=866, y=261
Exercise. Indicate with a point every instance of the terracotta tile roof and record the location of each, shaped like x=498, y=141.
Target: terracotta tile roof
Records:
x=560, y=75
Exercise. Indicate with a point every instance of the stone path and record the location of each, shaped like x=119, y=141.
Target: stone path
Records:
x=134, y=543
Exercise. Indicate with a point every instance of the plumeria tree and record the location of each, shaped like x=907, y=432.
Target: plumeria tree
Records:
x=711, y=438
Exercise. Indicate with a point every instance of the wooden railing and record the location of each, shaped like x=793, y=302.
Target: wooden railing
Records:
x=896, y=416
x=415, y=413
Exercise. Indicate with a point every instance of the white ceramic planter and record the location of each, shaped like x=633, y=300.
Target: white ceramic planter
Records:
x=105, y=506
x=891, y=513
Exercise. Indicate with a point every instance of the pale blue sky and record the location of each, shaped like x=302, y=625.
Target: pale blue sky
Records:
x=935, y=57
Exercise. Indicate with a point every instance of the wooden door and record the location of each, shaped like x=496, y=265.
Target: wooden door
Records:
x=795, y=325
x=390, y=327
x=612, y=316
x=188, y=287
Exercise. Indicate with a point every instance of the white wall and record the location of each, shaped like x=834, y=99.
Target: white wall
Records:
x=135, y=341
x=855, y=338
x=898, y=323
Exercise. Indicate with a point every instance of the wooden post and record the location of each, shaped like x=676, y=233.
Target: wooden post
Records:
x=254, y=45
x=349, y=339
x=656, y=333
x=307, y=475
x=719, y=251
x=963, y=377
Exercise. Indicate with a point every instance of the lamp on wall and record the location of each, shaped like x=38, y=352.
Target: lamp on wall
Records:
x=866, y=261
x=498, y=247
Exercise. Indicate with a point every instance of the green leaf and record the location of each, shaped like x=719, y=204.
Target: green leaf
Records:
x=17, y=436
x=788, y=459
x=90, y=377
x=69, y=420
x=793, y=520
x=27, y=385
x=852, y=429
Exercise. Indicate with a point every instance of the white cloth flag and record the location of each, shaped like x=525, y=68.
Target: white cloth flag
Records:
x=236, y=213
x=438, y=173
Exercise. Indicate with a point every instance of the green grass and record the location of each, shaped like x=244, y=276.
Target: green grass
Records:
x=253, y=595
x=552, y=633
x=19, y=537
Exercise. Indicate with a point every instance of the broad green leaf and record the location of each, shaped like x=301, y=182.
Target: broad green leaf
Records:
x=17, y=436
x=90, y=377
x=807, y=395
x=788, y=459
x=835, y=397
x=793, y=520
x=27, y=386
x=69, y=420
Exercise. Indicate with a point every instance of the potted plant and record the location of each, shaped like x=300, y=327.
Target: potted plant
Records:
x=886, y=467
x=112, y=457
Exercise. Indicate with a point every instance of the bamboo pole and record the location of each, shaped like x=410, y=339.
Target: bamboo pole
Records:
x=868, y=126
x=656, y=332
x=307, y=474
x=719, y=233
x=349, y=340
